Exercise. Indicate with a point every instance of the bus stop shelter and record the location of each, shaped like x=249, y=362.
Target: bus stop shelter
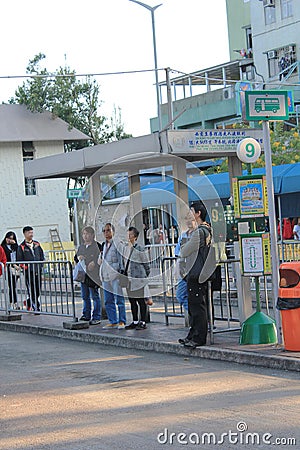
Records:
x=172, y=147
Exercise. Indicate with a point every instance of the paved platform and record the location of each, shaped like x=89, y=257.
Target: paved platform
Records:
x=161, y=338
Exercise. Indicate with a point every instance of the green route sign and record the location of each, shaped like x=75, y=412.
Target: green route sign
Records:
x=74, y=193
x=266, y=105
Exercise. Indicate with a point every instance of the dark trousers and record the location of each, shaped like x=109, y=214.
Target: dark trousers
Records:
x=197, y=309
x=137, y=298
x=12, y=291
x=33, y=285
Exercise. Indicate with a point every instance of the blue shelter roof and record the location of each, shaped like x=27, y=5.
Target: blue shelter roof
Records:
x=285, y=177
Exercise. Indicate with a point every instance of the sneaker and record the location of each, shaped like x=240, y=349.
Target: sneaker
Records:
x=132, y=326
x=95, y=322
x=121, y=326
x=141, y=326
x=84, y=318
x=183, y=341
x=193, y=344
x=110, y=326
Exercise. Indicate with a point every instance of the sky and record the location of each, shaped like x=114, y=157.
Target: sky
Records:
x=100, y=36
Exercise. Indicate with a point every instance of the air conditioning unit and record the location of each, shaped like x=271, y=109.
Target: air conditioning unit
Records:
x=272, y=54
x=227, y=93
x=269, y=3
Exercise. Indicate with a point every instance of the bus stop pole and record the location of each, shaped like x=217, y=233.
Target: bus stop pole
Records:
x=272, y=221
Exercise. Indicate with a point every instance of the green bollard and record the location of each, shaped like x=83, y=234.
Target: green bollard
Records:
x=258, y=328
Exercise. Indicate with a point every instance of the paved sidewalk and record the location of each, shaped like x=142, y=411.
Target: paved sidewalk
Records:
x=164, y=339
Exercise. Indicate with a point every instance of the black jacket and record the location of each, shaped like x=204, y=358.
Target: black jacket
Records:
x=91, y=254
x=24, y=253
x=9, y=251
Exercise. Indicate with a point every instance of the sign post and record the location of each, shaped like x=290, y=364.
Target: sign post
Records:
x=272, y=221
x=265, y=106
x=75, y=194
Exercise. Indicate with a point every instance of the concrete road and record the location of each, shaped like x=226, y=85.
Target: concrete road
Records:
x=59, y=394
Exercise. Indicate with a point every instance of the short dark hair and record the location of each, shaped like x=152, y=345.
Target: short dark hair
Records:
x=108, y=224
x=135, y=231
x=200, y=208
x=89, y=230
x=28, y=228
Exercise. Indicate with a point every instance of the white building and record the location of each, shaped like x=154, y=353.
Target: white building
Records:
x=276, y=40
x=43, y=203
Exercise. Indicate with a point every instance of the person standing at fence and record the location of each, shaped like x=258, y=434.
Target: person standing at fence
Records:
x=10, y=246
x=181, y=291
x=110, y=262
x=296, y=230
x=3, y=259
x=89, y=252
x=137, y=266
x=197, y=292
x=30, y=251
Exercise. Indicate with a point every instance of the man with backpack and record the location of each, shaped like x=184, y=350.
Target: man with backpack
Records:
x=197, y=252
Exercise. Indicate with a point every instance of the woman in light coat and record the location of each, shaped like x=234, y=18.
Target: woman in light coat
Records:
x=138, y=269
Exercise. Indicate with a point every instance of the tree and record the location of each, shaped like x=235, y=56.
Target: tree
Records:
x=74, y=100
x=285, y=147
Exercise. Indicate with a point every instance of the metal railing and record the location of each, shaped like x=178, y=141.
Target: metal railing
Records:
x=219, y=308
x=289, y=251
x=38, y=287
x=2, y=288
x=60, y=255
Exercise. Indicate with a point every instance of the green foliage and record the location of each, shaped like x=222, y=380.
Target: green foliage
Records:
x=285, y=146
x=72, y=99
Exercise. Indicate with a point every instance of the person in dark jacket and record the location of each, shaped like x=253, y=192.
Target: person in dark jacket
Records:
x=89, y=252
x=138, y=268
x=10, y=246
x=30, y=251
x=197, y=290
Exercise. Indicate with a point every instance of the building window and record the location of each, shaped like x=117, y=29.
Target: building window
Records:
x=270, y=15
x=28, y=152
x=286, y=8
x=280, y=61
x=249, y=41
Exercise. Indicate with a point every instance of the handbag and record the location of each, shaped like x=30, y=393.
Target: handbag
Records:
x=123, y=276
x=79, y=271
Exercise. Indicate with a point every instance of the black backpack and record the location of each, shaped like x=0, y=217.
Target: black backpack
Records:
x=204, y=266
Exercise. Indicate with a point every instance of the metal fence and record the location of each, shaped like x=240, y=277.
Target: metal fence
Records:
x=289, y=251
x=38, y=287
x=2, y=288
x=222, y=302
x=60, y=255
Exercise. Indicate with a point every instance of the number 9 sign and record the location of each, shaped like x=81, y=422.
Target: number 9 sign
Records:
x=248, y=150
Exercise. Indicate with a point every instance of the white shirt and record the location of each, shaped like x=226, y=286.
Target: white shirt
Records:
x=296, y=230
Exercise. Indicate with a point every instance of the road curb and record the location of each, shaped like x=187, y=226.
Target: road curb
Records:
x=207, y=352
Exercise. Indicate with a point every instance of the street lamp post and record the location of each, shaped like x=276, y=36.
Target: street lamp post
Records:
x=152, y=9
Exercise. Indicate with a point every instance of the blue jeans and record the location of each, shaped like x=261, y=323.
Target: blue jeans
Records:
x=182, y=294
x=87, y=294
x=112, y=297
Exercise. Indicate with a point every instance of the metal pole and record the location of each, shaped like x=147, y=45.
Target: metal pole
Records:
x=152, y=9
x=280, y=227
x=76, y=223
x=156, y=70
x=169, y=97
x=272, y=221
